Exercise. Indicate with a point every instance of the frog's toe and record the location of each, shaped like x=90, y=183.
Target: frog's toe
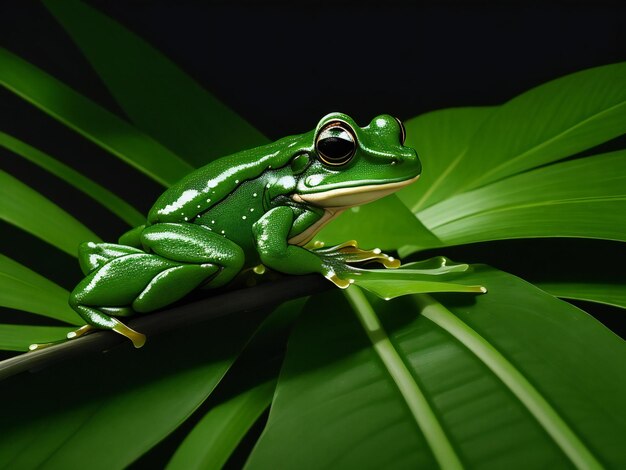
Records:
x=83, y=330
x=137, y=338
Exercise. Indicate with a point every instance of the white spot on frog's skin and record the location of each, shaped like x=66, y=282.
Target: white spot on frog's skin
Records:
x=186, y=219
x=252, y=209
x=213, y=221
x=355, y=209
x=208, y=200
x=198, y=206
x=381, y=122
x=184, y=198
x=236, y=181
x=223, y=232
x=243, y=217
x=376, y=251
x=393, y=162
x=313, y=180
x=267, y=186
x=254, y=195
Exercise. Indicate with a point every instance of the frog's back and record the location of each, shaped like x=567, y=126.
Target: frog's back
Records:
x=205, y=187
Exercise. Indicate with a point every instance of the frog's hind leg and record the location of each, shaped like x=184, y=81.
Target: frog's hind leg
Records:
x=97, y=319
x=195, y=245
x=173, y=284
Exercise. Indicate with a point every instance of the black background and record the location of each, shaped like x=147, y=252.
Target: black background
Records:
x=282, y=68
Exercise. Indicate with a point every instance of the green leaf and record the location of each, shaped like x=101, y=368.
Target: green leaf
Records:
x=549, y=122
x=19, y=337
x=110, y=409
x=451, y=381
x=580, y=198
x=603, y=293
x=386, y=224
x=23, y=289
x=215, y=437
x=415, y=278
x=441, y=139
x=98, y=193
x=27, y=209
x=157, y=96
x=90, y=120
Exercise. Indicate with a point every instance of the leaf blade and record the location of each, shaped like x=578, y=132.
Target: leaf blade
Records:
x=547, y=202
x=90, y=120
x=603, y=293
x=20, y=337
x=157, y=96
x=211, y=442
x=550, y=122
x=98, y=193
x=25, y=208
x=23, y=289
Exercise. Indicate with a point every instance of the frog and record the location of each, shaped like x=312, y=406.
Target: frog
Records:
x=257, y=208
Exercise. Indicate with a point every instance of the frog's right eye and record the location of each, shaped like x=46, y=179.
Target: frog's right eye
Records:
x=336, y=143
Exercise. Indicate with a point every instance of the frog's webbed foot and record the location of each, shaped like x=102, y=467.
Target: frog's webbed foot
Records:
x=338, y=261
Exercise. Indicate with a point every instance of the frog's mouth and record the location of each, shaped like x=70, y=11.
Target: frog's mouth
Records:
x=349, y=197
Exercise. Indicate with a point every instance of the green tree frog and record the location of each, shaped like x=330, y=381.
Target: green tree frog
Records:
x=256, y=207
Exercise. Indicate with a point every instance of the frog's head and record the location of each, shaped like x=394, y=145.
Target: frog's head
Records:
x=348, y=165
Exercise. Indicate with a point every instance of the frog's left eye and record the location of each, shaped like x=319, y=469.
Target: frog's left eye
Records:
x=336, y=144
x=402, y=131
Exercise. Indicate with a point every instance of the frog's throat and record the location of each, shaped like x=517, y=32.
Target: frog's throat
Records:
x=342, y=198
x=335, y=201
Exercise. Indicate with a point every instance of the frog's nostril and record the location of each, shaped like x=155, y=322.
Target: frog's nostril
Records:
x=402, y=131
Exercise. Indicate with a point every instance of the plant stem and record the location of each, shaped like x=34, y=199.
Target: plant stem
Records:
x=253, y=298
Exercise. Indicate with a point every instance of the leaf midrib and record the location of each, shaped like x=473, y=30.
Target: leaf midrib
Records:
x=422, y=412
x=512, y=378
x=555, y=202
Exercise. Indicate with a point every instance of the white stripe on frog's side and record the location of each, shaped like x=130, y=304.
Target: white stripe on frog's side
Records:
x=335, y=201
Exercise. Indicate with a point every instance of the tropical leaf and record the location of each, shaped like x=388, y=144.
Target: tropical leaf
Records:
x=109, y=410
x=415, y=278
x=386, y=224
x=99, y=194
x=215, y=437
x=547, y=202
x=20, y=337
x=158, y=97
x=23, y=289
x=441, y=139
x=90, y=120
x=472, y=381
x=550, y=122
x=604, y=293
x=27, y=209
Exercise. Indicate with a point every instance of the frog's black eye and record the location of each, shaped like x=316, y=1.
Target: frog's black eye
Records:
x=402, y=131
x=336, y=144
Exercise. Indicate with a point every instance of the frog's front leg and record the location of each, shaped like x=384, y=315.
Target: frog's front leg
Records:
x=272, y=232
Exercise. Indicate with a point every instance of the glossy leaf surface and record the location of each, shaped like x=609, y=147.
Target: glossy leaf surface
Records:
x=158, y=97
x=24, y=289
x=92, y=189
x=215, y=437
x=432, y=275
x=90, y=120
x=20, y=337
x=550, y=122
x=25, y=208
x=604, y=293
x=492, y=375
x=110, y=409
x=547, y=202
x=441, y=139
